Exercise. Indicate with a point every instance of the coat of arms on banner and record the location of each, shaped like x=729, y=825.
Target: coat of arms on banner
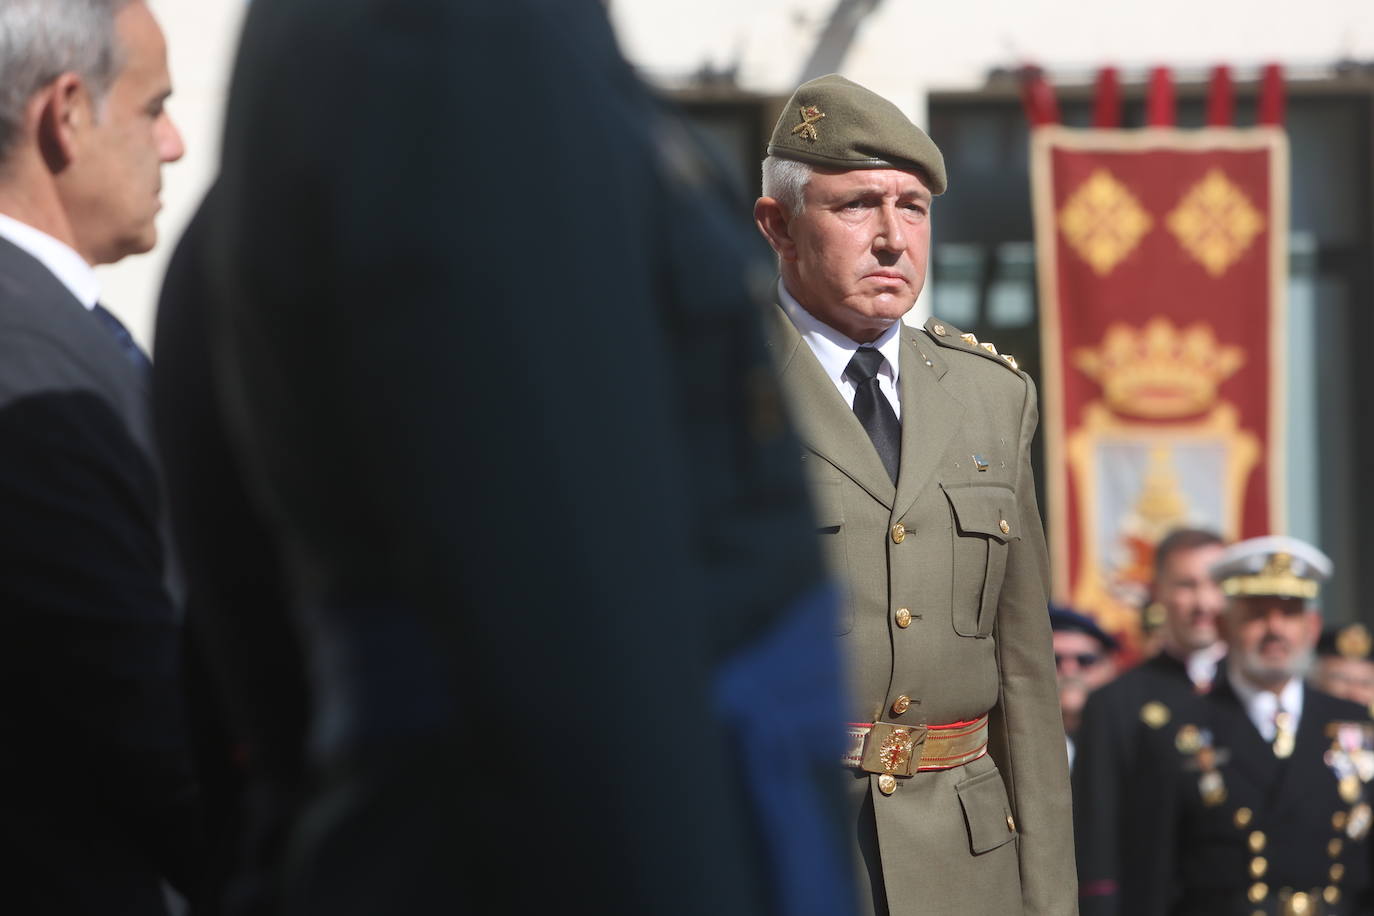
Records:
x=1162, y=258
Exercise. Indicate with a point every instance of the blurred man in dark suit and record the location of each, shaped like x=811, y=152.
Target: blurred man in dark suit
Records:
x=1119, y=718
x=480, y=328
x=98, y=797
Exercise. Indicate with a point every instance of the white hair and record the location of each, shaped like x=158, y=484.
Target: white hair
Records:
x=42, y=39
x=785, y=181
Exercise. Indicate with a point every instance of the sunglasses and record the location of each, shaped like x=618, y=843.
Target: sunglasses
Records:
x=1083, y=659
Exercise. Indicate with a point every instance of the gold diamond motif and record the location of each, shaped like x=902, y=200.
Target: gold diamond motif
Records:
x=1103, y=221
x=1215, y=222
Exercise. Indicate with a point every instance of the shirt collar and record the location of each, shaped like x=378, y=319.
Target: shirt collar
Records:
x=834, y=350
x=59, y=258
x=1260, y=705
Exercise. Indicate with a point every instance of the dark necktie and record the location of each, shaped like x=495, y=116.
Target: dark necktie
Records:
x=873, y=409
x=131, y=349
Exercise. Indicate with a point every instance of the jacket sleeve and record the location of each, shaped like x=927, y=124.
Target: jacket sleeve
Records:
x=1028, y=733
x=1099, y=776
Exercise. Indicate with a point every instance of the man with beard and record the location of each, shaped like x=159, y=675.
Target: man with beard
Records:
x=1255, y=796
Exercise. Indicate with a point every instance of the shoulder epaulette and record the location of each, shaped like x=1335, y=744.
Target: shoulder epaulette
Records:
x=947, y=335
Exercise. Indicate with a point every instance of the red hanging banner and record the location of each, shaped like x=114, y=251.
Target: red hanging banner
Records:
x=1159, y=101
x=1221, y=98
x=1162, y=269
x=1107, y=99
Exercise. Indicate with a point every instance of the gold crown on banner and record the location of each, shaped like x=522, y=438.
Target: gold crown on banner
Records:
x=1159, y=372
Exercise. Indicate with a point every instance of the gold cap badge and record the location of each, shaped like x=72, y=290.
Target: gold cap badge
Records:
x=810, y=114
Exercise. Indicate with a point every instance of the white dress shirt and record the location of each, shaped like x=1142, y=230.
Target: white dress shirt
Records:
x=1262, y=705
x=834, y=351
x=64, y=263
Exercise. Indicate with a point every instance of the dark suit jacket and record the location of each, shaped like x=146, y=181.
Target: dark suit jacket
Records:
x=98, y=796
x=1108, y=765
x=483, y=340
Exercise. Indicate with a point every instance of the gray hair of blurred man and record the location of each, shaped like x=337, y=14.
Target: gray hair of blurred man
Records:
x=785, y=181
x=42, y=39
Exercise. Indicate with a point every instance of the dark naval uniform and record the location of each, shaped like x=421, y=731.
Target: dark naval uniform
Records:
x=1117, y=719
x=1224, y=825
x=1229, y=810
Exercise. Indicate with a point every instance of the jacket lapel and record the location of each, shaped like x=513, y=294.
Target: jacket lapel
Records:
x=1306, y=771
x=1250, y=753
x=930, y=418
x=827, y=424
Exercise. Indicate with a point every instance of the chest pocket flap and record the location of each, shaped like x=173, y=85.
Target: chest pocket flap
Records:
x=985, y=522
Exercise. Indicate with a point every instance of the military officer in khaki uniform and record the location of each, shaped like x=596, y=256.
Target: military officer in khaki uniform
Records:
x=917, y=443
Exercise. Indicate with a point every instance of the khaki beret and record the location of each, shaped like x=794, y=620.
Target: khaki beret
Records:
x=835, y=123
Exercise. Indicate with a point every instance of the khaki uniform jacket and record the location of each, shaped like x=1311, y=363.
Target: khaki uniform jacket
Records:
x=960, y=841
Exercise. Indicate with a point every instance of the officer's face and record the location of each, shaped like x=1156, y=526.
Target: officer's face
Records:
x=1348, y=678
x=1192, y=601
x=1270, y=639
x=855, y=257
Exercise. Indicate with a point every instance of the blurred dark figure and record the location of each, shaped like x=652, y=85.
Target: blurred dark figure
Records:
x=1116, y=718
x=99, y=805
x=1083, y=662
x=464, y=391
x=1345, y=664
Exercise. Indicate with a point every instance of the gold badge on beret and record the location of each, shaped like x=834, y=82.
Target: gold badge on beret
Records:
x=810, y=114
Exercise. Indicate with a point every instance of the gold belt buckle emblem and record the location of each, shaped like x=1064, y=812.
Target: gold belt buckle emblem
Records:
x=892, y=748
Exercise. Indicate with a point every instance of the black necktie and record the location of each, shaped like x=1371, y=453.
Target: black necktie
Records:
x=873, y=409
x=131, y=349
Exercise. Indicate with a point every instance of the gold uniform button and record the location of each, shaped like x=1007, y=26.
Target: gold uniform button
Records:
x=898, y=533
x=901, y=705
x=939, y=329
x=1300, y=904
x=1011, y=824
x=1258, y=891
x=1338, y=821
x=903, y=617
x=1243, y=816
x=1258, y=866
x=1006, y=529
x=887, y=783
x=1333, y=849
x=1337, y=872
x=1257, y=841
x=1332, y=895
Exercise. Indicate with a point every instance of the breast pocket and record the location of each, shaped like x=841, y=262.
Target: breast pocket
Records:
x=828, y=498
x=984, y=524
